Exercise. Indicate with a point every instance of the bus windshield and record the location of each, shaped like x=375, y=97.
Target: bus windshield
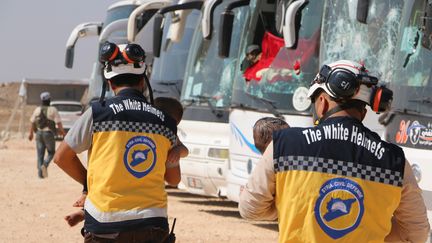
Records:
x=208, y=78
x=117, y=36
x=373, y=43
x=120, y=12
x=169, y=69
x=281, y=85
x=412, y=84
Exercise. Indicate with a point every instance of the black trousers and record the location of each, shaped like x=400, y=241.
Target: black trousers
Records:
x=142, y=235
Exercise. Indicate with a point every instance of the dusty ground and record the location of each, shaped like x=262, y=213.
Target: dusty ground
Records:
x=32, y=209
x=8, y=101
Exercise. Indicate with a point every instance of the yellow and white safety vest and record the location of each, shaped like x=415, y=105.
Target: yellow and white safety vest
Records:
x=126, y=167
x=336, y=182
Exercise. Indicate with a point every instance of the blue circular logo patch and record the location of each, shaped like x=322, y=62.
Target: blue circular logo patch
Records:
x=140, y=156
x=339, y=207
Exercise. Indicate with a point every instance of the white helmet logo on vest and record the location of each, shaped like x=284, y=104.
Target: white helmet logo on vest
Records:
x=339, y=207
x=140, y=156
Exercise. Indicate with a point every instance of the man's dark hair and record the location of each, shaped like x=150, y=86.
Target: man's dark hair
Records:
x=128, y=80
x=171, y=106
x=253, y=49
x=46, y=102
x=263, y=131
x=353, y=103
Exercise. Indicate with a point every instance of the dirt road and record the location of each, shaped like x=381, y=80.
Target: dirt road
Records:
x=33, y=209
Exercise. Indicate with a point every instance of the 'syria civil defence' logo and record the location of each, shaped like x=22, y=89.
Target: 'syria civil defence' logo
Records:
x=140, y=156
x=339, y=207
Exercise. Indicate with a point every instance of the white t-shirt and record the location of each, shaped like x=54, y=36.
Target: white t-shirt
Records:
x=52, y=114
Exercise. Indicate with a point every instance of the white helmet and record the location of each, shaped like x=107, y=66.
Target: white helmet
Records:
x=45, y=96
x=125, y=65
x=344, y=79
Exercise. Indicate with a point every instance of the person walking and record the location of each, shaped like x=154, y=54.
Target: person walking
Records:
x=43, y=122
x=128, y=142
x=338, y=181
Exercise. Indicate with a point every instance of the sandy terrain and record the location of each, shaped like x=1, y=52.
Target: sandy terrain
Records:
x=8, y=101
x=33, y=209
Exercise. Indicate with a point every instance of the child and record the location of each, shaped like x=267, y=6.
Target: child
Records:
x=263, y=131
x=173, y=108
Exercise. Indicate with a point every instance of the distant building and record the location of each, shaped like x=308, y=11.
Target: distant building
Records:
x=60, y=89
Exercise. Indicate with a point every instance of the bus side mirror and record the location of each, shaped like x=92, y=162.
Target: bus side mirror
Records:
x=292, y=23
x=70, y=52
x=362, y=10
x=157, y=33
x=207, y=17
x=80, y=31
x=226, y=26
x=427, y=26
x=281, y=7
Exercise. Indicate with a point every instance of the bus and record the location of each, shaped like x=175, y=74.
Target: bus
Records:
x=172, y=49
x=329, y=31
x=206, y=96
x=367, y=34
x=409, y=123
x=114, y=29
x=291, y=31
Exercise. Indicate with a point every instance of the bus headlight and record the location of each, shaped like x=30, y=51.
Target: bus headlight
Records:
x=218, y=153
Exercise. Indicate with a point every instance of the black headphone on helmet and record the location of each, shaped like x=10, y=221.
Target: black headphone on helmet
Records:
x=110, y=54
x=341, y=82
x=381, y=98
x=344, y=84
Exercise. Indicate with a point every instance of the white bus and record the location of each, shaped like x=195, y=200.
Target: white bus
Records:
x=114, y=29
x=206, y=96
x=394, y=40
x=347, y=30
x=172, y=46
x=366, y=34
x=291, y=31
x=409, y=123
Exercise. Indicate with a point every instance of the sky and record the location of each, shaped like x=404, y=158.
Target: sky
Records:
x=33, y=37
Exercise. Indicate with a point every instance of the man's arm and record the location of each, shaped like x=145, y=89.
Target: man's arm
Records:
x=32, y=120
x=409, y=222
x=173, y=172
x=69, y=162
x=257, y=198
x=173, y=175
x=30, y=136
x=179, y=150
x=61, y=131
x=78, y=139
x=57, y=120
x=183, y=150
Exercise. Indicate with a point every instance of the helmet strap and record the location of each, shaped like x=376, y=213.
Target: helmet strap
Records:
x=104, y=87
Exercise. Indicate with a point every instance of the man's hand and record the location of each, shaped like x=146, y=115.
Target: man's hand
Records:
x=80, y=201
x=30, y=136
x=62, y=133
x=60, y=129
